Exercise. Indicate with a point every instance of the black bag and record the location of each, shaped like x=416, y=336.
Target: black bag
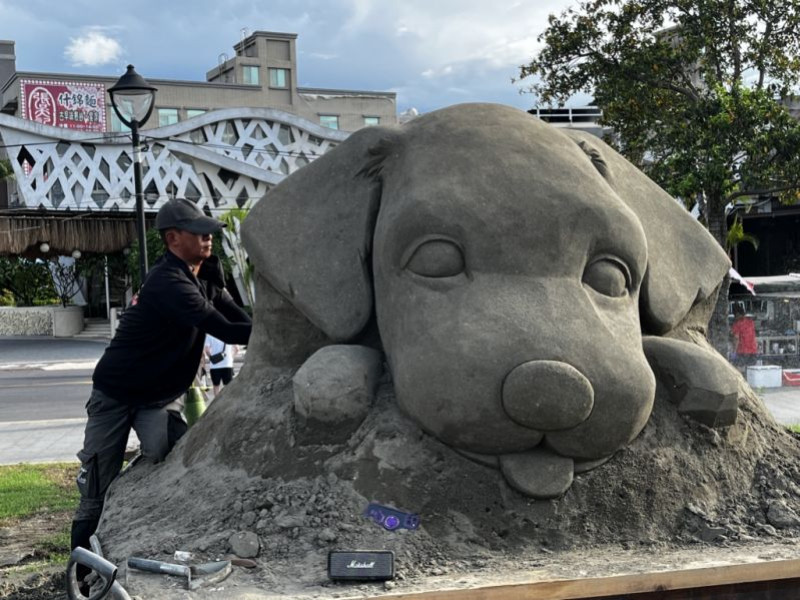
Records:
x=218, y=357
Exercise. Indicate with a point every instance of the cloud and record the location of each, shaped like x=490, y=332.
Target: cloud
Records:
x=323, y=55
x=442, y=52
x=93, y=49
x=438, y=72
x=418, y=47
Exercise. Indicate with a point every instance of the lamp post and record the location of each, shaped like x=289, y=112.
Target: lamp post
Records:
x=133, y=99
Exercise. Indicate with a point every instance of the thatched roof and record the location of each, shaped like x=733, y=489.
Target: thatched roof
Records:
x=23, y=233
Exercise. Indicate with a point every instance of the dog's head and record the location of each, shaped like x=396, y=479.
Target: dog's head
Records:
x=512, y=268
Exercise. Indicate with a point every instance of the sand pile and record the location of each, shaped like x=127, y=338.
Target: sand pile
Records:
x=240, y=481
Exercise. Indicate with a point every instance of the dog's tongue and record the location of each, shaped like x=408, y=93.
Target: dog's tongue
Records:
x=539, y=473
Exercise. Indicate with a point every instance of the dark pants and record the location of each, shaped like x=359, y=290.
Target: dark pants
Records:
x=158, y=427
x=223, y=375
x=745, y=360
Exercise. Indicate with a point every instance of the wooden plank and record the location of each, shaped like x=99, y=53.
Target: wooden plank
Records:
x=780, y=589
x=603, y=587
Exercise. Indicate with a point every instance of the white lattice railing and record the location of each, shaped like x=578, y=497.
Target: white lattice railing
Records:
x=221, y=160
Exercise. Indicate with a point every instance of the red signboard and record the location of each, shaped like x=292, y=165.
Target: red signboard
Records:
x=71, y=104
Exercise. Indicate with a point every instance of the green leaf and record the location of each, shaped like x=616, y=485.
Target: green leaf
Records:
x=737, y=235
x=688, y=105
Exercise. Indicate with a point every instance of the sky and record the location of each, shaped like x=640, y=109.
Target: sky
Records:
x=432, y=53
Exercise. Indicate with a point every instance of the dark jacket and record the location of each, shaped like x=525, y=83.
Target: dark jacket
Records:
x=156, y=350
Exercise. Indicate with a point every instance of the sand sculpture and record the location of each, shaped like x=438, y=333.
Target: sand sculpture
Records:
x=523, y=298
x=485, y=321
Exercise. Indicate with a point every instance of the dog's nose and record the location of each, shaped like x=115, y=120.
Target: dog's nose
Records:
x=547, y=395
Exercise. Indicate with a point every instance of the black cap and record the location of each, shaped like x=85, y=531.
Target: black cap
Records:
x=180, y=213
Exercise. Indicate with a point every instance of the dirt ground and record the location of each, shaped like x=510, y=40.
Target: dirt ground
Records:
x=681, y=494
x=24, y=575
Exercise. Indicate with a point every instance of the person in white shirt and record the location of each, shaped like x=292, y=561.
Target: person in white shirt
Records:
x=221, y=370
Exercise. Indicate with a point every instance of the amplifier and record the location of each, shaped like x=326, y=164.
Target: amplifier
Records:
x=361, y=565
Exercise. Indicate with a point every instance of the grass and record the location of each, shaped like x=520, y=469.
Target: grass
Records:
x=55, y=549
x=795, y=428
x=30, y=492
x=30, y=489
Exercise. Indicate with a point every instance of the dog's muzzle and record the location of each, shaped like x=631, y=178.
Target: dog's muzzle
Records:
x=547, y=395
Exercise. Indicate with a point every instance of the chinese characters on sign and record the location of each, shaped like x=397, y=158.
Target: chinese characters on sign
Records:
x=74, y=105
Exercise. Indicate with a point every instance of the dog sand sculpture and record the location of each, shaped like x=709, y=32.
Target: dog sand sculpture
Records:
x=527, y=285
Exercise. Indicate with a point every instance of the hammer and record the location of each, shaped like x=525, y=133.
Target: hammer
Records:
x=196, y=576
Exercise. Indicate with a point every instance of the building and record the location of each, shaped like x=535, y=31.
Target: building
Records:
x=585, y=118
x=222, y=143
x=213, y=118
x=774, y=224
x=262, y=74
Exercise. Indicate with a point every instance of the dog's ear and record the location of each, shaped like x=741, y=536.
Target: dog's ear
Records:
x=310, y=236
x=685, y=265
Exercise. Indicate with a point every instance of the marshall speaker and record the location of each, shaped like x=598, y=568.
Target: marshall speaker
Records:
x=361, y=565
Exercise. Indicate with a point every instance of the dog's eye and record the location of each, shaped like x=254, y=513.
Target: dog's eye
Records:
x=436, y=258
x=608, y=277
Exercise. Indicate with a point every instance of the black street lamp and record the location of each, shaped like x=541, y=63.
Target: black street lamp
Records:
x=133, y=99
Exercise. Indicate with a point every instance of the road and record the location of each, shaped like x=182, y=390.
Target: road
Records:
x=42, y=413
x=49, y=350
x=45, y=382
x=44, y=385
x=34, y=394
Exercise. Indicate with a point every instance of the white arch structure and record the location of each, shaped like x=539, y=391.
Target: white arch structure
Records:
x=220, y=159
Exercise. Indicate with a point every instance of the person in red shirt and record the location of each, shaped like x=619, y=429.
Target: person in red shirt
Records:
x=744, y=330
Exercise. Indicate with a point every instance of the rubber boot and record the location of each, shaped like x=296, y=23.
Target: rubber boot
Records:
x=81, y=532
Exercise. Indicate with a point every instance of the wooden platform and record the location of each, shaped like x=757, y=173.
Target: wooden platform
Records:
x=775, y=580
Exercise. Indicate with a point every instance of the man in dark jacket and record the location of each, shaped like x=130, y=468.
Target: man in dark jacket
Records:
x=140, y=380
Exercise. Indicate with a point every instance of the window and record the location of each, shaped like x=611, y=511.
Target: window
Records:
x=250, y=75
x=279, y=50
x=116, y=124
x=331, y=121
x=167, y=116
x=369, y=121
x=194, y=112
x=278, y=78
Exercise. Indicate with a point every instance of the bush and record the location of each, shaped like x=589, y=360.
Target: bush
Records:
x=7, y=298
x=155, y=249
x=28, y=280
x=48, y=301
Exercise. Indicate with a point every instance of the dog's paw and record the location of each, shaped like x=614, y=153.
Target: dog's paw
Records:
x=701, y=383
x=333, y=392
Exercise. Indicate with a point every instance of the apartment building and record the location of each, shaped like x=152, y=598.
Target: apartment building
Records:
x=261, y=74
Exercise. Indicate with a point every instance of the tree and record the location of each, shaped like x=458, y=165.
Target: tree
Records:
x=93, y=267
x=691, y=90
x=6, y=172
x=234, y=251
x=155, y=249
x=66, y=280
x=28, y=280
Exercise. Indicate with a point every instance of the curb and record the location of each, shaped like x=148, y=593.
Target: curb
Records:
x=51, y=365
